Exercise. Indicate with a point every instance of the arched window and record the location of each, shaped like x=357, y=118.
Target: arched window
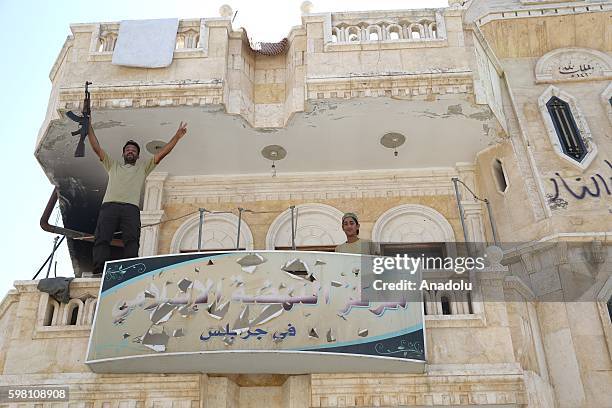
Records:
x=107, y=41
x=74, y=316
x=50, y=312
x=335, y=34
x=416, y=32
x=317, y=225
x=565, y=126
x=219, y=232
x=353, y=33
x=373, y=36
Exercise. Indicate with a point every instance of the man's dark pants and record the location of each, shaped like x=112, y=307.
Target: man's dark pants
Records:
x=115, y=217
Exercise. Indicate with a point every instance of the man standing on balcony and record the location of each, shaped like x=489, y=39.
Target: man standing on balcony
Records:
x=354, y=244
x=120, y=207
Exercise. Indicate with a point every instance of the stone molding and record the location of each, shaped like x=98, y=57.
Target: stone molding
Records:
x=539, y=2
x=455, y=321
x=544, y=11
x=309, y=186
x=581, y=123
x=154, y=188
x=445, y=388
x=134, y=390
x=397, y=84
x=11, y=297
x=149, y=237
x=144, y=94
x=603, y=297
x=549, y=66
x=515, y=283
x=605, y=99
x=59, y=60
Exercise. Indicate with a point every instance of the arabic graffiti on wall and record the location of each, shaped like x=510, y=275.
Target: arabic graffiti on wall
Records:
x=595, y=186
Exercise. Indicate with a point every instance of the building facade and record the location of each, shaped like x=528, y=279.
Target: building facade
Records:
x=512, y=97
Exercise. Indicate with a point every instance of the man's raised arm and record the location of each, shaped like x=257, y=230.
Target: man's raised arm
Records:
x=163, y=152
x=93, y=141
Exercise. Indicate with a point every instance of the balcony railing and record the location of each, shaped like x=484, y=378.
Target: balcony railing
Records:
x=407, y=26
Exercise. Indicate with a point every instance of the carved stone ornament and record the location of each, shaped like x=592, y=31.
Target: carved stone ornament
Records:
x=573, y=64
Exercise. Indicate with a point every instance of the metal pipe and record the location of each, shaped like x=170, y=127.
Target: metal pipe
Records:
x=240, y=210
x=461, y=213
x=491, y=221
x=200, y=228
x=48, y=258
x=292, y=228
x=55, y=239
x=70, y=233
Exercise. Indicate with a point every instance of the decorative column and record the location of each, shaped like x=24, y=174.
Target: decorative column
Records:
x=152, y=213
x=472, y=208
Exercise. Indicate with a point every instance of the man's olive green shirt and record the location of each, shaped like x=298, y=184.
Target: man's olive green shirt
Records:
x=361, y=246
x=125, y=181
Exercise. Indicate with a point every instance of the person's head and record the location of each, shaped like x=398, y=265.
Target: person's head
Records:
x=131, y=151
x=350, y=225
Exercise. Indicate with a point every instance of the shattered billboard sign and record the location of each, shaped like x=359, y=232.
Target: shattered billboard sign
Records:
x=250, y=312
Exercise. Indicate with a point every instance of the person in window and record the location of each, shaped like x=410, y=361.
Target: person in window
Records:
x=120, y=207
x=354, y=244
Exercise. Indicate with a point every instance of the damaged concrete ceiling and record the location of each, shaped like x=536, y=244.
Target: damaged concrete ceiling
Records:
x=331, y=136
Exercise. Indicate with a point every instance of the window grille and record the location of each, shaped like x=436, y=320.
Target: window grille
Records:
x=566, y=129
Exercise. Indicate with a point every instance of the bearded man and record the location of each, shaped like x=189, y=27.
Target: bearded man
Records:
x=120, y=209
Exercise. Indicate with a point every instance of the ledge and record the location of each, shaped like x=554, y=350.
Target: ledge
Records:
x=386, y=45
x=445, y=321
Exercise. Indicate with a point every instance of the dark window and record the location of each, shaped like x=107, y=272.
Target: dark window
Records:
x=51, y=311
x=446, y=306
x=469, y=302
x=500, y=175
x=567, y=131
x=73, y=316
x=610, y=309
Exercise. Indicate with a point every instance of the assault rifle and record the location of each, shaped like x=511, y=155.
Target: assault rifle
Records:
x=83, y=122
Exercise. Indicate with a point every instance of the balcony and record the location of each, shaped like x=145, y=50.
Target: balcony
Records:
x=327, y=97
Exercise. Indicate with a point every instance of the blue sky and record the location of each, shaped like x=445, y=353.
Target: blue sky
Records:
x=32, y=34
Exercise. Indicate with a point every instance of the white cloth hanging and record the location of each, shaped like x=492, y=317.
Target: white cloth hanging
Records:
x=146, y=43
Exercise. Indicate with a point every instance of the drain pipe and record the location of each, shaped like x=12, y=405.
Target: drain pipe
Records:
x=461, y=213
